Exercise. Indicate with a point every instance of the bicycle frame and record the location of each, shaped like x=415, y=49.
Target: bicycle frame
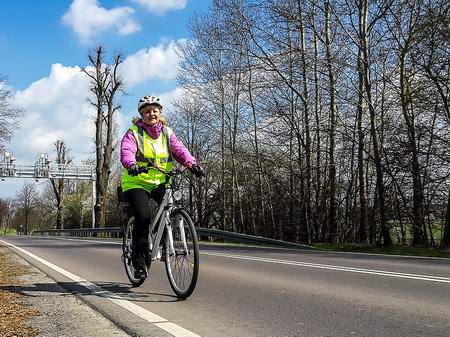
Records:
x=162, y=219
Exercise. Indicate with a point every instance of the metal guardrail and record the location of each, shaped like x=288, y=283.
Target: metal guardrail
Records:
x=246, y=238
x=116, y=232
x=108, y=232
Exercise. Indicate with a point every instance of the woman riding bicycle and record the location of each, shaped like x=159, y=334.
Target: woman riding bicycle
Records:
x=149, y=140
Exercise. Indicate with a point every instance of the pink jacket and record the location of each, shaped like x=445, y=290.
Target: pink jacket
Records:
x=128, y=147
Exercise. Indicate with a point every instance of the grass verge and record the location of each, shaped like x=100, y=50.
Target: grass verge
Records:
x=13, y=311
x=9, y=231
x=391, y=250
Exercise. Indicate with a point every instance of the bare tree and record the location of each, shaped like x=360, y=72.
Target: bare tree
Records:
x=6, y=211
x=332, y=222
x=26, y=201
x=105, y=84
x=75, y=203
x=62, y=159
x=8, y=113
x=431, y=55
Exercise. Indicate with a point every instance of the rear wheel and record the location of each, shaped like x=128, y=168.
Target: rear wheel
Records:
x=127, y=254
x=182, y=262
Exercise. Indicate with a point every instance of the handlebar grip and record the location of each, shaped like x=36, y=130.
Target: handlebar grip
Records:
x=136, y=170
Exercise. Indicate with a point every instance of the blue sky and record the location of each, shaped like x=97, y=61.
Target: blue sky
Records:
x=43, y=44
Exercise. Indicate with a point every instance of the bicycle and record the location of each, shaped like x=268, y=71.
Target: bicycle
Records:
x=172, y=239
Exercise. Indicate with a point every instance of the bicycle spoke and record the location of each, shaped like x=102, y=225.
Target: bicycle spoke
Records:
x=182, y=268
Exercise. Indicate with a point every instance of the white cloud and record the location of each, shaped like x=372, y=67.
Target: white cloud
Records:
x=160, y=62
x=88, y=19
x=56, y=107
x=168, y=98
x=161, y=6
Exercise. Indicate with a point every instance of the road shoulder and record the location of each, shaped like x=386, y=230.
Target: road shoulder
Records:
x=58, y=313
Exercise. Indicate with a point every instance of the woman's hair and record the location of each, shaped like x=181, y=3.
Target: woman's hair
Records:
x=162, y=119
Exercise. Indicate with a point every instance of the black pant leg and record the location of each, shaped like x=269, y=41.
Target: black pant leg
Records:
x=138, y=200
x=157, y=194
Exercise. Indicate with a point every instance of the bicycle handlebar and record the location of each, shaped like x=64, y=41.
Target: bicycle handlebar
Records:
x=145, y=169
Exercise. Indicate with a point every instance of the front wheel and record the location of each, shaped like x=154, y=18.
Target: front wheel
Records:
x=182, y=254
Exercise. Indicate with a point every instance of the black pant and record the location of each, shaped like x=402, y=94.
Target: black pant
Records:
x=138, y=200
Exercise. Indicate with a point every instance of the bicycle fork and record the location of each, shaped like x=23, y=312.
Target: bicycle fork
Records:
x=169, y=234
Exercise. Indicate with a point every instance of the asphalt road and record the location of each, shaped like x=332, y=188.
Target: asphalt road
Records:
x=245, y=291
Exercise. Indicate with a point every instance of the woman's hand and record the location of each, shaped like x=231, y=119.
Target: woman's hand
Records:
x=197, y=170
x=133, y=170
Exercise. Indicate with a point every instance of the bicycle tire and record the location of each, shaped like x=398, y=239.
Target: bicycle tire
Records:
x=182, y=267
x=127, y=253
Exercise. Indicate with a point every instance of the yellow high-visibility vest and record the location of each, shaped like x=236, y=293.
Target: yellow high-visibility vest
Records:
x=156, y=151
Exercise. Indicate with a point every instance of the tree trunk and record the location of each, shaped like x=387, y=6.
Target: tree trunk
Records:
x=363, y=223
x=223, y=156
x=380, y=193
x=446, y=235
x=332, y=221
x=307, y=197
x=418, y=221
x=261, y=214
x=317, y=216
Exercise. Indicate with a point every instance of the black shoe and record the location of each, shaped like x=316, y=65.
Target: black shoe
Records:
x=140, y=273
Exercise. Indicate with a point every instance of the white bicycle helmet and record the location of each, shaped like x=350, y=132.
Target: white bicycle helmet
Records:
x=147, y=100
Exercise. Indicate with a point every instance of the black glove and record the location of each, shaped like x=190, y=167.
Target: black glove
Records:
x=197, y=170
x=134, y=170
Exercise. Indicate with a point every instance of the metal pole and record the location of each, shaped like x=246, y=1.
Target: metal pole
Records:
x=93, y=203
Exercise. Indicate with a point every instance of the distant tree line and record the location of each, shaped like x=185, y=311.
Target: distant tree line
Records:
x=58, y=203
x=320, y=121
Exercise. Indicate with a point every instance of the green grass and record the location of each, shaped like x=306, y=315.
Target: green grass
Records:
x=436, y=228
x=391, y=250
x=9, y=231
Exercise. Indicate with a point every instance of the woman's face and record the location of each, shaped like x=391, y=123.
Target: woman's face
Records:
x=150, y=114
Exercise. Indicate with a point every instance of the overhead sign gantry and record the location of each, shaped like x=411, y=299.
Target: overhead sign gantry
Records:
x=45, y=169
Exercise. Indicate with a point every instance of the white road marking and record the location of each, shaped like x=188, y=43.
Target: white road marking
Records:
x=333, y=267
x=149, y=316
x=175, y=330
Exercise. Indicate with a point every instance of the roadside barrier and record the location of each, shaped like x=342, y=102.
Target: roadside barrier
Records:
x=107, y=232
x=203, y=233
